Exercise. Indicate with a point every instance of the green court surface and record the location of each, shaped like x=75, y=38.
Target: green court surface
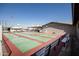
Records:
x=46, y=35
x=43, y=39
x=41, y=34
x=23, y=44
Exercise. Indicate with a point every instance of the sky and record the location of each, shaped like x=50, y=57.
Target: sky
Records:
x=33, y=14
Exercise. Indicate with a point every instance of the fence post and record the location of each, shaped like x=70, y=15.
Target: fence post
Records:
x=1, y=40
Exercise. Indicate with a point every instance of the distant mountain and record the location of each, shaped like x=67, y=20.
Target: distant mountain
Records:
x=62, y=26
x=56, y=24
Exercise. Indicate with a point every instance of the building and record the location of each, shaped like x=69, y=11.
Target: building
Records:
x=75, y=37
x=35, y=28
x=17, y=29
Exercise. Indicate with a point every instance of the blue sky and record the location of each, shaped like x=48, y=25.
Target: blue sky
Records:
x=28, y=14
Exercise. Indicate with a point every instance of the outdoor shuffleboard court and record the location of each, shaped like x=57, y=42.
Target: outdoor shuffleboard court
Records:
x=27, y=43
